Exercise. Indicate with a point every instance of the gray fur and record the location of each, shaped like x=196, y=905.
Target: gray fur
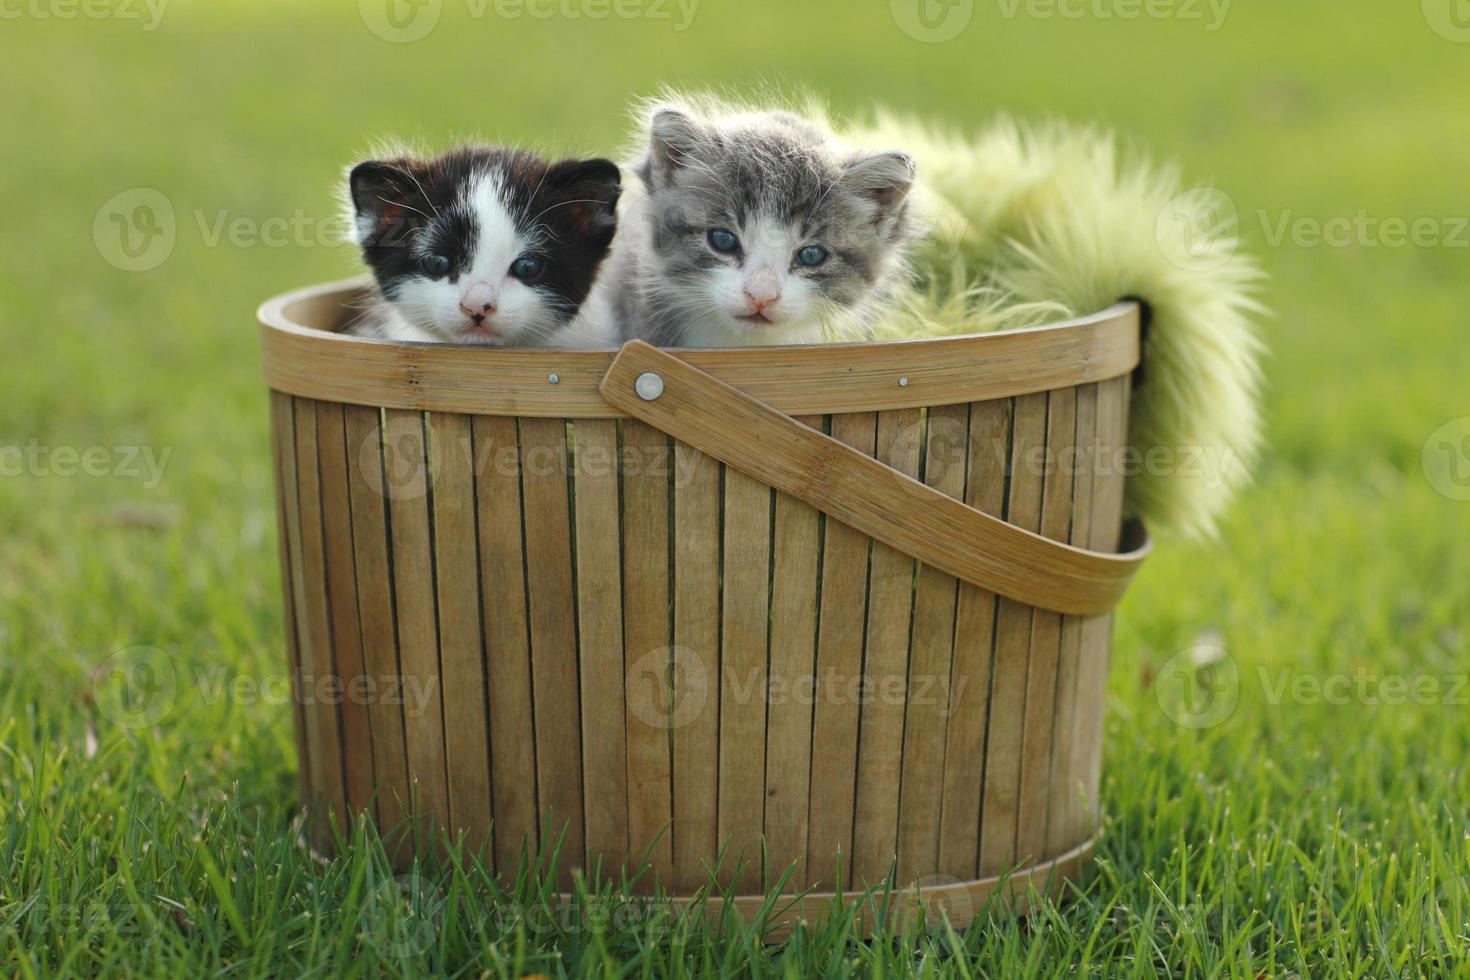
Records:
x=704, y=171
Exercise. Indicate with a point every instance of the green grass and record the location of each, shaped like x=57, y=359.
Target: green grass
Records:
x=1297, y=836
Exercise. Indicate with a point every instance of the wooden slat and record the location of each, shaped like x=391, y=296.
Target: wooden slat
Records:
x=600, y=638
x=300, y=357
x=891, y=507
x=744, y=636
x=694, y=713
x=283, y=450
x=323, y=733
x=407, y=487
x=1012, y=649
x=947, y=436
x=885, y=666
x=794, y=594
x=1106, y=521
x=350, y=682
x=964, y=755
x=647, y=463
x=461, y=636
x=375, y=622
x=1046, y=634
x=961, y=900
x=842, y=625
x=507, y=638
x=1065, y=824
x=548, y=525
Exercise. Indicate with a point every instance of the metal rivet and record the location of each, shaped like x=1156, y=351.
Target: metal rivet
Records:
x=553, y=378
x=649, y=386
x=903, y=382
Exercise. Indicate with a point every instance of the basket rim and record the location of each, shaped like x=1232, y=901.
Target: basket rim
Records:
x=299, y=358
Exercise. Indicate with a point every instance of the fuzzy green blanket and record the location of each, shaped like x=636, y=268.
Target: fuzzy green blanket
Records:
x=1031, y=224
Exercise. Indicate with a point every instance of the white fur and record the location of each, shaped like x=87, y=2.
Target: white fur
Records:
x=435, y=309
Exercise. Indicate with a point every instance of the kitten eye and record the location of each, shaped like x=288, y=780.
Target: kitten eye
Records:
x=434, y=265
x=811, y=255
x=723, y=240
x=527, y=268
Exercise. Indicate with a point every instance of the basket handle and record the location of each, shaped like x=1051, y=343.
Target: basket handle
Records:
x=740, y=431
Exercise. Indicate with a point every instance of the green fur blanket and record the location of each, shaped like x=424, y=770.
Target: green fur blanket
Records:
x=1031, y=224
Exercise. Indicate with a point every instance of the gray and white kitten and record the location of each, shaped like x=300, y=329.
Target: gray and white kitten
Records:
x=755, y=228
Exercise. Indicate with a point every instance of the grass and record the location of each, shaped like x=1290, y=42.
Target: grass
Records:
x=1298, y=836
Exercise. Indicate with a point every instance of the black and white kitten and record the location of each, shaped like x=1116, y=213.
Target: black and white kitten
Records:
x=482, y=245
x=757, y=228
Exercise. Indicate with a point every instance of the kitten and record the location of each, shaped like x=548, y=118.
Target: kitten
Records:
x=482, y=245
x=757, y=228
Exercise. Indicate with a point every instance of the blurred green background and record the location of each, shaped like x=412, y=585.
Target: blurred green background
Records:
x=1294, y=834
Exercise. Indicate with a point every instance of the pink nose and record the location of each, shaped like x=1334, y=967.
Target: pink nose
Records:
x=478, y=302
x=761, y=299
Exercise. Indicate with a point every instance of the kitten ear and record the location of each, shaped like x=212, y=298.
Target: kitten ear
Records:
x=381, y=191
x=673, y=138
x=886, y=178
x=591, y=189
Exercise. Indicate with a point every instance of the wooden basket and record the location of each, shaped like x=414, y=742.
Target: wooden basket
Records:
x=827, y=611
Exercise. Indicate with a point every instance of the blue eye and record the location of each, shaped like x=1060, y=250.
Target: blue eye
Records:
x=723, y=240
x=811, y=255
x=527, y=268
x=435, y=266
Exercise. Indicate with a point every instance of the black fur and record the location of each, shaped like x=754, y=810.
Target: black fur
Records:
x=412, y=208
